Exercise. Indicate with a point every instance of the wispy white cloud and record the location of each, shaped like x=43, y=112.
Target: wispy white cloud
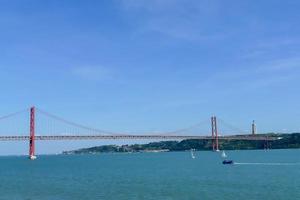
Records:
x=268, y=46
x=185, y=20
x=256, y=76
x=151, y=5
x=92, y=73
x=279, y=65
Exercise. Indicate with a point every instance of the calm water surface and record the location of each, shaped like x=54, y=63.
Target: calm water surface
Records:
x=268, y=175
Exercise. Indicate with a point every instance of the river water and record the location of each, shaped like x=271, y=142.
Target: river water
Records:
x=273, y=174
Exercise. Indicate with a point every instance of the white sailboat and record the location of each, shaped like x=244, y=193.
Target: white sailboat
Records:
x=223, y=155
x=32, y=157
x=193, y=153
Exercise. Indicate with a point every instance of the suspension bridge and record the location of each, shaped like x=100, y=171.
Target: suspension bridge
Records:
x=62, y=129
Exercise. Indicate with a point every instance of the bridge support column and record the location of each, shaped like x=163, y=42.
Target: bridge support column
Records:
x=214, y=134
x=267, y=145
x=32, y=134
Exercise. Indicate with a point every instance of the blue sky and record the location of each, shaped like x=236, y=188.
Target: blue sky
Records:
x=152, y=65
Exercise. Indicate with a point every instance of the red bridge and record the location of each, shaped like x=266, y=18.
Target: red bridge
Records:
x=80, y=132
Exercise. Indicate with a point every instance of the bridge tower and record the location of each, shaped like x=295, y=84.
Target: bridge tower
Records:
x=32, y=134
x=214, y=134
x=253, y=130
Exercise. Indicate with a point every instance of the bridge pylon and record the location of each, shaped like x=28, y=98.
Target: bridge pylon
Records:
x=32, y=134
x=214, y=134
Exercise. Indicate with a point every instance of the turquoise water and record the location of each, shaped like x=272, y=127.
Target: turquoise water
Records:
x=268, y=175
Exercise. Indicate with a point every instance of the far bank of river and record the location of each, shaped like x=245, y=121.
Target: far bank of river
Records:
x=287, y=141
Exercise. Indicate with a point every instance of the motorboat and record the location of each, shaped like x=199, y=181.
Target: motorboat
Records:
x=228, y=162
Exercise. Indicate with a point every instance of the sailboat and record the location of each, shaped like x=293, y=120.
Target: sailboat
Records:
x=193, y=153
x=223, y=155
x=32, y=157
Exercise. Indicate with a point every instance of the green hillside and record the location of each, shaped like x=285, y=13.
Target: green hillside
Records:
x=286, y=141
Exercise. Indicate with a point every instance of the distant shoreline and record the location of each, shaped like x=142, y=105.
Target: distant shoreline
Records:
x=287, y=141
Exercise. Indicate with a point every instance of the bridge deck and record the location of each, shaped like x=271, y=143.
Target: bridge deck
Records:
x=138, y=137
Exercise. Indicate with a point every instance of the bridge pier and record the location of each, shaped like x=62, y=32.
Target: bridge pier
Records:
x=32, y=134
x=214, y=134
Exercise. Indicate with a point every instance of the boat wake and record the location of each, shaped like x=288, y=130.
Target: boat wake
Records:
x=241, y=163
